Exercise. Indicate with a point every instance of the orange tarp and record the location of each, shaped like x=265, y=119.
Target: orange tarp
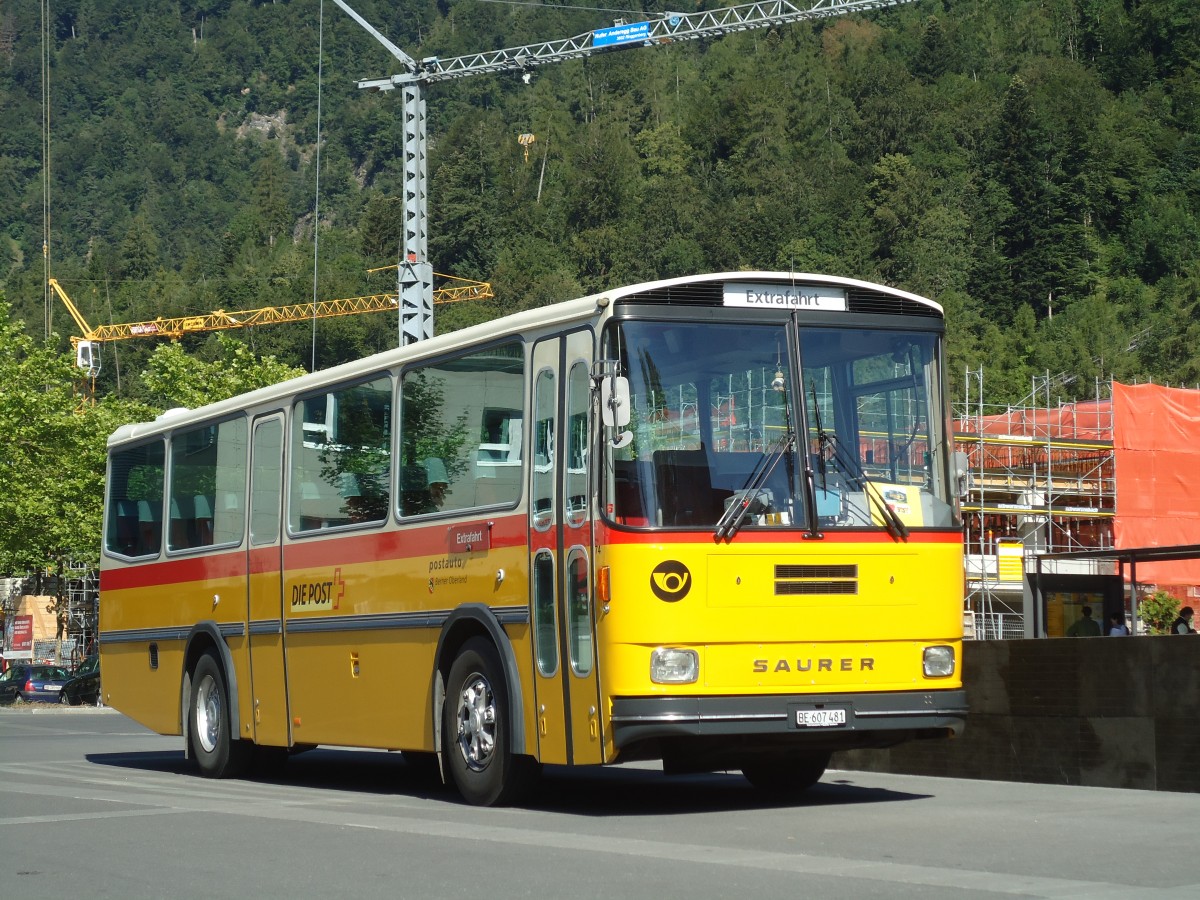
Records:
x=1086, y=420
x=1156, y=439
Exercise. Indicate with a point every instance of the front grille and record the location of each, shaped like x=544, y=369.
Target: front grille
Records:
x=786, y=570
x=798, y=578
x=785, y=588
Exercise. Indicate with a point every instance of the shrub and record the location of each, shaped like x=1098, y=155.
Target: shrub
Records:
x=1158, y=612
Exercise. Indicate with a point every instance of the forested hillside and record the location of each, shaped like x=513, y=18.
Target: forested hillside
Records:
x=1034, y=165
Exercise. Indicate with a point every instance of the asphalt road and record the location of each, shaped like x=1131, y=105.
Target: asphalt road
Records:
x=92, y=805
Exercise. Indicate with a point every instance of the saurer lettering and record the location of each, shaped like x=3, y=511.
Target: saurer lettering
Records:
x=845, y=664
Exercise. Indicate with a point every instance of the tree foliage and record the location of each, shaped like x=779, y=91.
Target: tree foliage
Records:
x=53, y=456
x=1158, y=612
x=1034, y=166
x=174, y=377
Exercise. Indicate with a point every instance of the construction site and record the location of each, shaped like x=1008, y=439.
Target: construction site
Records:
x=1061, y=494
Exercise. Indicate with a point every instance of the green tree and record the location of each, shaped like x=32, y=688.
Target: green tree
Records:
x=139, y=254
x=1158, y=612
x=53, y=456
x=176, y=378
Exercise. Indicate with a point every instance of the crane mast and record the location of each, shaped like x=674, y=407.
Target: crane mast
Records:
x=415, y=281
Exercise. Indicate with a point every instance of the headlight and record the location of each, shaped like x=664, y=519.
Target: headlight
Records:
x=671, y=666
x=939, y=662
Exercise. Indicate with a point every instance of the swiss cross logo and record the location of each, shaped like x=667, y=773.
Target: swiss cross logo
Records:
x=339, y=588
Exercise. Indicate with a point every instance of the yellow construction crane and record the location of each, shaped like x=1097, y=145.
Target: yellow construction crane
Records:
x=87, y=344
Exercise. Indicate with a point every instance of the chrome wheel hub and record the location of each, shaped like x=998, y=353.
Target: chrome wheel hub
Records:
x=208, y=714
x=476, y=722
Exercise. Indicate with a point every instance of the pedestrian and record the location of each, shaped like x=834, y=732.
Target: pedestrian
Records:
x=1085, y=626
x=1183, y=625
x=1117, y=626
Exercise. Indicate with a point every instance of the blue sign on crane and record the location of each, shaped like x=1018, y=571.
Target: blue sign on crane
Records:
x=621, y=34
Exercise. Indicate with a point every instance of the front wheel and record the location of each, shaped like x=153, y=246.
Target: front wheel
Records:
x=476, y=728
x=787, y=775
x=217, y=752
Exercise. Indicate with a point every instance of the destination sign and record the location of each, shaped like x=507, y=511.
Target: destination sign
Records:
x=621, y=34
x=785, y=296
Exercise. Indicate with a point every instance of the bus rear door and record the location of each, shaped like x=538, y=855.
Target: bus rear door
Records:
x=264, y=619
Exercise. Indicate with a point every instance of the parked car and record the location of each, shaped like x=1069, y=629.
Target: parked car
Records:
x=32, y=683
x=84, y=686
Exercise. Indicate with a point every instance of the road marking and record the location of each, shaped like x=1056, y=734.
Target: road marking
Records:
x=316, y=807
x=80, y=817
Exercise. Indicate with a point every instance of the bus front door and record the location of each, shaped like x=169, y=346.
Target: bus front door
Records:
x=566, y=682
x=264, y=618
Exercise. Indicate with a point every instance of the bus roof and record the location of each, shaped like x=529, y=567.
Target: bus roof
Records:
x=556, y=314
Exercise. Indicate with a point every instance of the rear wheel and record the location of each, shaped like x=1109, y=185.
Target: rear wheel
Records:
x=476, y=728
x=217, y=752
x=786, y=775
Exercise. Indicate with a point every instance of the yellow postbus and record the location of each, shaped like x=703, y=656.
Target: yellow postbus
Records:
x=708, y=520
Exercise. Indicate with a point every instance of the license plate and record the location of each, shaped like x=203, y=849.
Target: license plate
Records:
x=52, y=687
x=820, y=718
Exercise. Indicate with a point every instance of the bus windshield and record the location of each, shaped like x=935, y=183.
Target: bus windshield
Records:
x=722, y=435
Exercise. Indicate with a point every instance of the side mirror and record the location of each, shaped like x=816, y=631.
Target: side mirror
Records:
x=614, y=401
x=962, y=474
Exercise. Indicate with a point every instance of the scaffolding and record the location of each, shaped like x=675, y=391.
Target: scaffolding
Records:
x=1042, y=480
x=78, y=621
x=82, y=591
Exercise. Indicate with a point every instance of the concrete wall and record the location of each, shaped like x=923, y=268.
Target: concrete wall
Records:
x=1106, y=712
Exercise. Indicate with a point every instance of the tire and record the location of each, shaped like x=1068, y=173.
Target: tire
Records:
x=476, y=729
x=218, y=754
x=786, y=776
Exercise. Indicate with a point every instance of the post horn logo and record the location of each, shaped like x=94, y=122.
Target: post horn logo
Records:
x=670, y=581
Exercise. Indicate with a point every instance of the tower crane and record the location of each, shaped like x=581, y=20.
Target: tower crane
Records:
x=415, y=278
x=87, y=343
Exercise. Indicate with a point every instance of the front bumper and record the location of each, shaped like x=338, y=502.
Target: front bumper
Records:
x=872, y=719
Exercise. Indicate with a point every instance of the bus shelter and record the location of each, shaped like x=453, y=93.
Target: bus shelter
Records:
x=1125, y=560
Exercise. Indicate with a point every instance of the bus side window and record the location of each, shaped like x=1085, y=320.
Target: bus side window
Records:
x=461, y=432
x=135, y=499
x=341, y=457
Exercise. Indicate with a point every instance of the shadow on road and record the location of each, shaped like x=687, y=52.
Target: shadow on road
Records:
x=614, y=791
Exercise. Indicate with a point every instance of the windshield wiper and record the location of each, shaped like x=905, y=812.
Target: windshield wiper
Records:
x=736, y=512
x=859, y=478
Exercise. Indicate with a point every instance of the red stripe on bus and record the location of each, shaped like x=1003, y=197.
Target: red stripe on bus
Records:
x=616, y=536
x=264, y=559
x=209, y=567
x=430, y=540
x=325, y=550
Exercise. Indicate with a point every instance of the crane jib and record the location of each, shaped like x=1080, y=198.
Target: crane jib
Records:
x=671, y=27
